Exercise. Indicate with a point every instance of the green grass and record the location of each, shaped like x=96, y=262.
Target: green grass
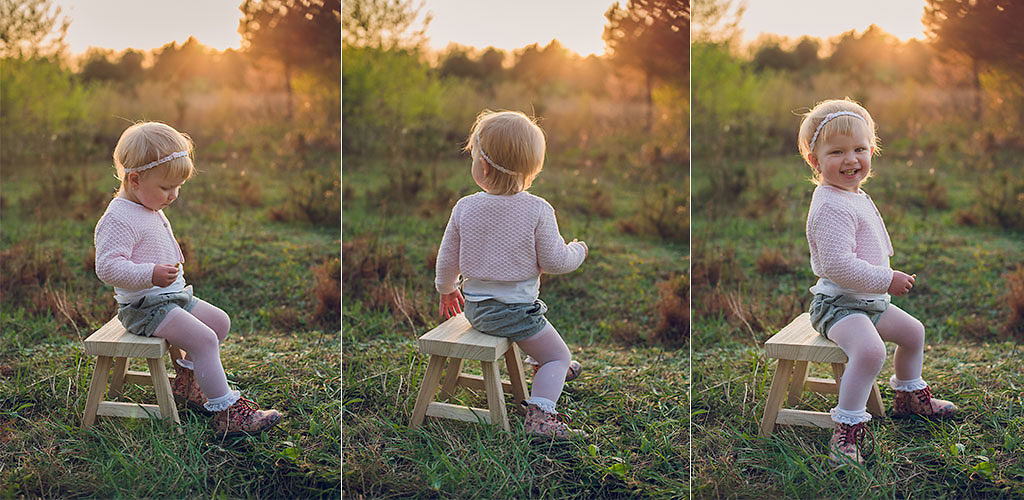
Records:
x=253, y=253
x=631, y=396
x=750, y=277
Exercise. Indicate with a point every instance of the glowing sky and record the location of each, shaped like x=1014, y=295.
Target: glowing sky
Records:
x=148, y=24
x=508, y=25
x=828, y=18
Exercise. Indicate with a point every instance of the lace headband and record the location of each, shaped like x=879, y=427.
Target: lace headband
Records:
x=488, y=159
x=177, y=154
x=829, y=117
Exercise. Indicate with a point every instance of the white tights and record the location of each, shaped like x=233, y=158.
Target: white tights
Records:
x=548, y=348
x=200, y=333
x=863, y=344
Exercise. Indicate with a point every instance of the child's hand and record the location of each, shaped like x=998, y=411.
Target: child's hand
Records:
x=586, y=250
x=901, y=283
x=451, y=304
x=164, y=274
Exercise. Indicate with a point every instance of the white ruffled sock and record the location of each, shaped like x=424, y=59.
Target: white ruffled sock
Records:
x=223, y=402
x=907, y=385
x=849, y=417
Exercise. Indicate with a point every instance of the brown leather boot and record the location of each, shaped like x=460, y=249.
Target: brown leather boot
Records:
x=244, y=417
x=921, y=402
x=186, y=391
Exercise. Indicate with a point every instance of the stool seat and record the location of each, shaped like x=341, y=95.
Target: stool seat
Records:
x=452, y=342
x=113, y=346
x=456, y=338
x=113, y=340
x=800, y=342
x=795, y=346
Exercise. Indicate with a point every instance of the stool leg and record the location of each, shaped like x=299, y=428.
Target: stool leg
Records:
x=162, y=386
x=495, y=396
x=96, y=390
x=451, y=378
x=514, y=365
x=775, y=396
x=176, y=354
x=837, y=372
x=875, y=402
x=796, y=386
x=117, y=379
x=427, y=389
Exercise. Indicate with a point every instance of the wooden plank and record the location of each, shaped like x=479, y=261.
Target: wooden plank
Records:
x=805, y=418
x=96, y=390
x=775, y=396
x=130, y=410
x=451, y=378
x=796, y=386
x=875, y=406
x=798, y=341
x=162, y=386
x=516, y=378
x=458, y=412
x=427, y=389
x=456, y=338
x=495, y=395
x=114, y=341
x=477, y=382
x=822, y=385
x=117, y=377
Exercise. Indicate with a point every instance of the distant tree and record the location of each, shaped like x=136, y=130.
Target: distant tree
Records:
x=539, y=67
x=717, y=21
x=298, y=34
x=384, y=24
x=492, y=63
x=32, y=28
x=806, y=52
x=988, y=32
x=98, y=66
x=772, y=56
x=652, y=36
x=129, y=66
x=456, y=62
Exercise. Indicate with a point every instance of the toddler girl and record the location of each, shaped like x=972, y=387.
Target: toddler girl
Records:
x=501, y=240
x=137, y=254
x=850, y=250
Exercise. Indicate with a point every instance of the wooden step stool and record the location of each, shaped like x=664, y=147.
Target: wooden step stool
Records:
x=795, y=346
x=455, y=340
x=113, y=345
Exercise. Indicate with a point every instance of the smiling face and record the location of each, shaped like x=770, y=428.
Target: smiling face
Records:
x=844, y=161
x=153, y=191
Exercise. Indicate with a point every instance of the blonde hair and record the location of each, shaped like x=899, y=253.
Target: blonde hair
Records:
x=514, y=142
x=839, y=125
x=146, y=142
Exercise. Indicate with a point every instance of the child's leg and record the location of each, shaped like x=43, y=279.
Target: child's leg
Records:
x=183, y=329
x=547, y=347
x=907, y=333
x=213, y=317
x=860, y=341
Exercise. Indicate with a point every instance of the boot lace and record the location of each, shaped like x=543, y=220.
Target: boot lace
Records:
x=924, y=395
x=857, y=434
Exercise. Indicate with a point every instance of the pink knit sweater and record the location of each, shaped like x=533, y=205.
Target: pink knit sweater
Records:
x=848, y=240
x=503, y=238
x=130, y=240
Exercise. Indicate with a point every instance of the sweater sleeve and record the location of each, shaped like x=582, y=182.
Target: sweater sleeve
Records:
x=554, y=256
x=447, y=267
x=114, y=240
x=831, y=232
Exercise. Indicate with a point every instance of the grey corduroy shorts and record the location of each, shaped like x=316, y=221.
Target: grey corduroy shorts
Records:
x=826, y=310
x=514, y=321
x=143, y=316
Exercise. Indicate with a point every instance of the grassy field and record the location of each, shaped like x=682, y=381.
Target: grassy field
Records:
x=622, y=315
x=261, y=242
x=750, y=277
